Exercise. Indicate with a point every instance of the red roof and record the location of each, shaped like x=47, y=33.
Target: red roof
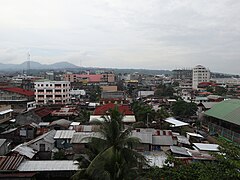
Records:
x=42, y=112
x=18, y=90
x=204, y=93
x=124, y=109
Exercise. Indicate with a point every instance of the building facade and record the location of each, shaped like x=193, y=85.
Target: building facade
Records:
x=200, y=74
x=52, y=92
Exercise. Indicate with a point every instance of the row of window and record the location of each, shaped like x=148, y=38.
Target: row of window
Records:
x=56, y=85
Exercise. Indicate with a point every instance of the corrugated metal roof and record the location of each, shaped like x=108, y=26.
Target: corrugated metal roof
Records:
x=127, y=118
x=194, y=135
x=206, y=147
x=179, y=150
x=209, y=105
x=228, y=110
x=162, y=140
x=24, y=150
x=64, y=134
x=143, y=136
x=48, y=137
x=183, y=140
x=82, y=137
x=18, y=90
x=175, y=122
x=10, y=162
x=48, y=165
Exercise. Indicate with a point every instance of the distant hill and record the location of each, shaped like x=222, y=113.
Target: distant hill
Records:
x=36, y=65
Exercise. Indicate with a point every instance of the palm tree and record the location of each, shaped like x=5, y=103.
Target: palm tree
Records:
x=114, y=157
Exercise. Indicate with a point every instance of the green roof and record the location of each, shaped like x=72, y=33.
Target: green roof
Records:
x=228, y=110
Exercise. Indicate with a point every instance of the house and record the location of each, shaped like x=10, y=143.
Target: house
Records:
x=63, y=138
x=153, y=140
x=128, y=117
x=19, y=99
x=43, y=144
x=80, y=140
x=65, y=112
x=113, y=95
x=35, y=115
x=20, y=134
x=203, y=106
x=224, y=119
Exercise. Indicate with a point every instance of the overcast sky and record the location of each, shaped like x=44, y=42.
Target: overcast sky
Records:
x=151, y=34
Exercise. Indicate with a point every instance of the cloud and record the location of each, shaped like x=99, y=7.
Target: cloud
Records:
x=157, y=34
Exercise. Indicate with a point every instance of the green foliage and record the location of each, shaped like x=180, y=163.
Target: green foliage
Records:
x=110, y=156
x=221, y=91
x=94, y=94
x=184, y=109
x=226, y=166
x=164, y=91
x=210, y=89
x=60, y=155
x=83, y=117
x=143, y=112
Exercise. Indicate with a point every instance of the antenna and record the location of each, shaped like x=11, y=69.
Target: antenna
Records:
x=28, y=64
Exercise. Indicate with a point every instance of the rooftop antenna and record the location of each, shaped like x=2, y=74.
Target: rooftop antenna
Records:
x=28, y=64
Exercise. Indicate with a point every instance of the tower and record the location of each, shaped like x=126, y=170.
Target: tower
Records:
x=28, y=64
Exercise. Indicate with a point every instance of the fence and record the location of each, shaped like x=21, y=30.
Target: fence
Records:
x=231, y=135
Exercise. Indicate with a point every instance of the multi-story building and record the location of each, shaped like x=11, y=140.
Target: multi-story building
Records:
x=182, y=74
x=20, y=99
x=90, y=78
x=199, y=74
x=52, y=92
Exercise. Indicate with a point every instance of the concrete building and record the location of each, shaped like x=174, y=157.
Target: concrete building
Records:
x=90, y=78
x=19, y=99
x=182, y=74
x=52, y=92
x=200, y=74
x=5, y=113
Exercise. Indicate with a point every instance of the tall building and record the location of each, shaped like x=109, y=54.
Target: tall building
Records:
x=52, y=92
x=182, y=74
x=199, y=74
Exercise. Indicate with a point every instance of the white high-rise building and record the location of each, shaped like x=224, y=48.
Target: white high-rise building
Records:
x=200, y=74
x=52, y=92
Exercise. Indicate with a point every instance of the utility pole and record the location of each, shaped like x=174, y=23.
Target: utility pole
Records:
x=28, y=64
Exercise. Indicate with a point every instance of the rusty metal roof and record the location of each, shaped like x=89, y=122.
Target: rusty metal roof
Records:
x=10, y=162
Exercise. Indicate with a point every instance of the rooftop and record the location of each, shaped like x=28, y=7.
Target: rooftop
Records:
x=18, y=90
x=124, y=109
x=228, y=110
x=48, y=165
x=175, y=122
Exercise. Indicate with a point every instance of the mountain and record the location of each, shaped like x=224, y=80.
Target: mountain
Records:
x=37, y=65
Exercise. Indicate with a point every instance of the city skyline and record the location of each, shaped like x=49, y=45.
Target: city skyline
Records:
x=153, y=34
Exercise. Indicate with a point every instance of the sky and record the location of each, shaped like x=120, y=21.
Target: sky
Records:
x=149, y=34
